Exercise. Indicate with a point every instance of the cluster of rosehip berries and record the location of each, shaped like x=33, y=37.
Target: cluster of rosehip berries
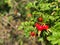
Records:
x=40, y=27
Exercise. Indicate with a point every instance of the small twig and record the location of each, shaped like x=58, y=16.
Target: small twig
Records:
x=8, y=23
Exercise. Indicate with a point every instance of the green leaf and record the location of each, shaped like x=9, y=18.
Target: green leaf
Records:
x=54, y=42
x=20, y=27
x=51, y=17
x=29, y=5
x=40, y=39
x=1, y=41
x=44, y=6
x=10, y=18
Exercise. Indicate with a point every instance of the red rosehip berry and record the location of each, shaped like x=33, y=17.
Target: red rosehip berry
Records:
x=40, y=28
x=45, y=27
x=32, y=33
x=37, y=24
x=40, y=19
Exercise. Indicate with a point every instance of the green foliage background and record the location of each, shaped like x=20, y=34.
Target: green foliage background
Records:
x=49, y=10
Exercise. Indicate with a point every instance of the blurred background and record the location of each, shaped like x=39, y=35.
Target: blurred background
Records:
x=15, y=12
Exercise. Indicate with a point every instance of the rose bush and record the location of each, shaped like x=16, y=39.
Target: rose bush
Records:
x=39, y=19
x=48, y=23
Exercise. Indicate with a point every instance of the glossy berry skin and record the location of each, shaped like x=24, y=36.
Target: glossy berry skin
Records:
x=41, y=27
x=38, y=26
x=32, y=33
x=40, y=19
x=45, y=27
